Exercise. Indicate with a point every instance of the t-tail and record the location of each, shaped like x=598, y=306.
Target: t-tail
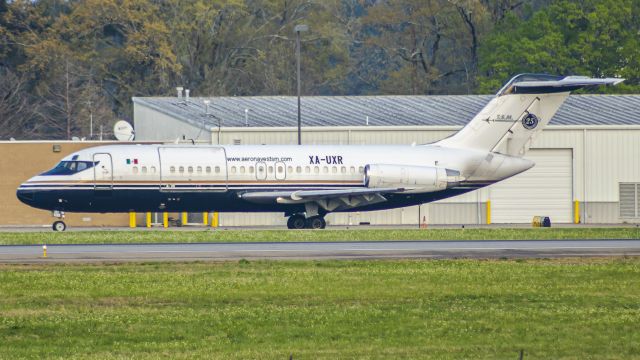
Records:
x=520, y=110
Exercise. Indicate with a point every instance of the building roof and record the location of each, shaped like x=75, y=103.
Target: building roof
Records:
x=449, y=110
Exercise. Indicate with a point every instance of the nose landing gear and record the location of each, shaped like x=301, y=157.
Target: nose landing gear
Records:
x=59, y=225
x=298, y=221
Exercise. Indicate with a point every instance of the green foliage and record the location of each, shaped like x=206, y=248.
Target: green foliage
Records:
x=133, y=237
x=72, y=60
x=594, y=37
x=553, y=309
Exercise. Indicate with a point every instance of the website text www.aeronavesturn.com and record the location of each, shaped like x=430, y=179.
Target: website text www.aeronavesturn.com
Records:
x=260, y=159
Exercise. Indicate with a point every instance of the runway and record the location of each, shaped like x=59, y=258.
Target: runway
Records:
x=319, y=250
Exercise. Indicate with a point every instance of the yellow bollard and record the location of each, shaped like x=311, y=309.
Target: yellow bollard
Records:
x=44, y=250
x=184, y=219
x=165, y=219
x=148, y=219
x=132, y=219
x=576, y=212
x=205, y=218
x=488, y=212
x=214, y=220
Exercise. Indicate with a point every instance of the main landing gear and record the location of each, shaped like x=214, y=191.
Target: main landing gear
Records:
x=298, y=221
x=59, y=225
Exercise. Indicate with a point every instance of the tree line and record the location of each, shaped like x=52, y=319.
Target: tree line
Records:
x=64, y=62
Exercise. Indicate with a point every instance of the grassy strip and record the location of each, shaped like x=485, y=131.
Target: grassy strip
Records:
x=552, y=309
x=124, y=237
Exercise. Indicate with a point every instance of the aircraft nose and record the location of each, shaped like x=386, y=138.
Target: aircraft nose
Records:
x=25, y=195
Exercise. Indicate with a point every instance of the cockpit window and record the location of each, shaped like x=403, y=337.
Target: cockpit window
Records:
x=70, y=167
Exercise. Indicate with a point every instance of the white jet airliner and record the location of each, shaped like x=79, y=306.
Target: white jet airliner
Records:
x=307, y=182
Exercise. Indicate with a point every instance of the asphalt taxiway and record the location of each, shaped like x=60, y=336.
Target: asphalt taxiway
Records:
x=319, y=250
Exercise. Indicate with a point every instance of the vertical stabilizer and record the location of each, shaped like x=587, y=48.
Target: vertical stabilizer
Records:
x=520, y=110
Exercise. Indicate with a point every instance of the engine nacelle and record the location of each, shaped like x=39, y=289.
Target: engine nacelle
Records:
x=416, y=179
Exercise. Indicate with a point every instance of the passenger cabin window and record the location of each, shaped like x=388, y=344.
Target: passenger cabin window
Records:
x=233, y=169
x=242, y=169
x=325, y=169
x=172, y=169
x=280, y=169
x=270, y=169
x=144, y=169
x=316, y=169
x=250, y=169
x=199, y=169
x=181, y=169
x=190, y=169
x=307, y=169
x=135, y=169
x=343, y=169
x=299, y=169
x=361, y=170
x=217, y=169
x=352, y=169
x=334, y=169
x=153, y=169
x=208, y=169
x=290, y=169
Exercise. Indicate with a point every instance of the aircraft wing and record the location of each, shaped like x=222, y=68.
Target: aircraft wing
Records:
x=330, y=200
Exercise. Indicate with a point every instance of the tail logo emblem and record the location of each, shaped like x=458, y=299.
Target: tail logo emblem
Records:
x=530, y=122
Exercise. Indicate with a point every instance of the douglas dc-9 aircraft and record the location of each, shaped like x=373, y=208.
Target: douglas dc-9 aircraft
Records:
x=307, y=182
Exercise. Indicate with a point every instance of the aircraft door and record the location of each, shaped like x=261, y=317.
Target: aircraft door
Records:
x=103, y=172
x=193, y=168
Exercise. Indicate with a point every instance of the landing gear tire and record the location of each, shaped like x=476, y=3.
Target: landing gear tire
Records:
x=315, y=222
x=296, y=222
x=59, y=226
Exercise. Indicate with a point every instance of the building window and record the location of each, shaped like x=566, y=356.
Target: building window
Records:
x=629, y=200
x=237, y=141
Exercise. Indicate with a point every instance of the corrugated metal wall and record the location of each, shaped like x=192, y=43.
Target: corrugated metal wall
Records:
x=611, y=157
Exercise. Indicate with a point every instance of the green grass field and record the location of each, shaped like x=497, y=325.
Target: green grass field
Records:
x=110, y=237
x=553, y=309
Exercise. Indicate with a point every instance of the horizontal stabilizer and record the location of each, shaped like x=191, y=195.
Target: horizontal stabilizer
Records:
x=545, y=84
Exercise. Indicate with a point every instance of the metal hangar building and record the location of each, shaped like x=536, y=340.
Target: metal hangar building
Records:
x=587, y=168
